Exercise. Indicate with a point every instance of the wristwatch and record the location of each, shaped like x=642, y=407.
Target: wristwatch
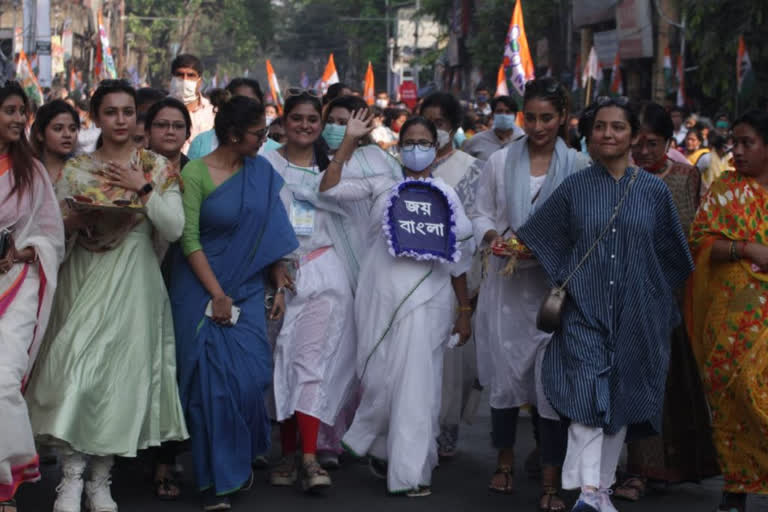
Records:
x=146, y=189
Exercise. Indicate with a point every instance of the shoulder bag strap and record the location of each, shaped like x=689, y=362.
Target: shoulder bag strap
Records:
x=605, y=230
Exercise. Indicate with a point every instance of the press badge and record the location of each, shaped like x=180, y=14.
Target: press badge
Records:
x=302, y=217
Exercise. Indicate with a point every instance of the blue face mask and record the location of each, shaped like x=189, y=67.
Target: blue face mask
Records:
x=504, y=122
x=416, y=158
x=334, y=134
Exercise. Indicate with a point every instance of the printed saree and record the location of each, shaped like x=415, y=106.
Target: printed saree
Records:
x=727, y=318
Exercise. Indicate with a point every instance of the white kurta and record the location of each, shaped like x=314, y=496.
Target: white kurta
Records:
x=404, y=313
x=314, y=353
x=510, y=348
x=459, y=366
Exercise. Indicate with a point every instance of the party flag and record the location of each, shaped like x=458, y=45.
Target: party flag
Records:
x=107, y=68
x=744, y=72
x=501, y=82
x=26, y=77
x=669, y=80
x=617, y=89
x=518, y=64
x=274, y=88
x=369, y=93
x=680, y=82
x=592, y=69
x=330, y=76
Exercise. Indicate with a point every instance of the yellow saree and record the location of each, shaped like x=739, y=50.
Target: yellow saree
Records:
x=727, y=318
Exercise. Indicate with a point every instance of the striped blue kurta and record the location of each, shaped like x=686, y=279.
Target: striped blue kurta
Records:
x=607, y=365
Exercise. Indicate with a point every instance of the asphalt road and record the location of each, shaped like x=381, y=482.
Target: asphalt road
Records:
x=458, y=485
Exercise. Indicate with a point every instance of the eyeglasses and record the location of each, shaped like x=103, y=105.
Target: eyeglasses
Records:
x=421, y=146
x=163, y=126
x=619, y=101
x=298, y=91
x=259, y=134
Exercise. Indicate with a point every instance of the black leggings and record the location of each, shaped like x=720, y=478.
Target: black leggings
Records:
x=551, y=435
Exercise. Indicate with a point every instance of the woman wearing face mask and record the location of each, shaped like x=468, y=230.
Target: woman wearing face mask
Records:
x=504, y=130
x=515, y=182
x=684, y=451
x=460, y=171
x=54, y=136
x=314, y=353
x=613, y=233
x=105, y=381
x=367, y=161
x=33, y=247
x=235, y=234
x=206, y=142
x=405, y=314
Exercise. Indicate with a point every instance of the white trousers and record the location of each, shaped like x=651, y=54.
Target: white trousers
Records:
x=592, y=457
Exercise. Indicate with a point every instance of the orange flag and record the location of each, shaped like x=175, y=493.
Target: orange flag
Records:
x=501, y=82
x=330, y=76
x=518, y=63
x=274, y=88
x=369, y=94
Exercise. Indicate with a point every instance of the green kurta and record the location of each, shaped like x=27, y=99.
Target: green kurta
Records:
x=105, y=378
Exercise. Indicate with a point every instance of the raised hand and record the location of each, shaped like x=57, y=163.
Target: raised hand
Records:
x=359, y=124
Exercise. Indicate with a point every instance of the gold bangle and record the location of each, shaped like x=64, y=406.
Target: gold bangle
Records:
x=465, y=309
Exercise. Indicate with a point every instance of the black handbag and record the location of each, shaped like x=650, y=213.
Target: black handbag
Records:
x=550, y=312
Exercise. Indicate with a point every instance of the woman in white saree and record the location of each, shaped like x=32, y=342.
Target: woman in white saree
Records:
x=30, y=252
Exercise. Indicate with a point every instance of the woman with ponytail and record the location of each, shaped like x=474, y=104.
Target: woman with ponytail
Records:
x=314, y=355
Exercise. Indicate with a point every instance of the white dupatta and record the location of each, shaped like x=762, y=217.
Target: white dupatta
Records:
x=35, y=220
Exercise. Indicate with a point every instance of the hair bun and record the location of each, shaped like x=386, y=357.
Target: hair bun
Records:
x=219, y=97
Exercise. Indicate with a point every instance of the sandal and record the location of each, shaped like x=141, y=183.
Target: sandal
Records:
x=550, y=500
x=314, y=477
x=8, y=506
x=631, y=489
x=166, y=489
x=285, y=474
x=507, y=473
x=419, y=492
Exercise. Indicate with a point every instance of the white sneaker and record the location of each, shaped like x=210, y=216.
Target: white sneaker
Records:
x=69, y=492
x=605, y=501
x=97, y=489
x=98, y=497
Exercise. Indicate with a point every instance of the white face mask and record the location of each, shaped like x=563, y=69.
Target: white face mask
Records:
x=269, y=119
x=443, y=138
x=184, y=90
x=382, y=103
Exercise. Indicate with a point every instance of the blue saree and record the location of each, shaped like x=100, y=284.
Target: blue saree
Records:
x=223, y=371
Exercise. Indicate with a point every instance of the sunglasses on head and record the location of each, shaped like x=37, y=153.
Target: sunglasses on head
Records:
x=298, y=91
x=619, y=101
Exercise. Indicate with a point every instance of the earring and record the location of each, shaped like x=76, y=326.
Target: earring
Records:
x=235, y=141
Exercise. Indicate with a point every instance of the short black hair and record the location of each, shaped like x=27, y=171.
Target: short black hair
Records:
x=147, y=95
x=630, y=111
x=423, y=121
x=656, y=118
x=509, y=101
x=758, y=120
x=349, y=103
x=334, y=91
x=448, y=104
x=481, y=87
x=236, y=83
x=168, y=102
x=186, y=60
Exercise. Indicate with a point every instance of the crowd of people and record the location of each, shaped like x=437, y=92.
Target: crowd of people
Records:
x=181, y=272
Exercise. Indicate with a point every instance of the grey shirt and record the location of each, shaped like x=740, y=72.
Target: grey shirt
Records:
x=482, y=145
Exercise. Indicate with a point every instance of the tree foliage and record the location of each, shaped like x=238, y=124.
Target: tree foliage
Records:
x=712, y=34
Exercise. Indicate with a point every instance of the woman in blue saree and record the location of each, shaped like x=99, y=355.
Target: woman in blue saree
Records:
x=235, y=234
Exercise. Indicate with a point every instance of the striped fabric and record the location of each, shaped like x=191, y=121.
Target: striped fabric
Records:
x=607, y=366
